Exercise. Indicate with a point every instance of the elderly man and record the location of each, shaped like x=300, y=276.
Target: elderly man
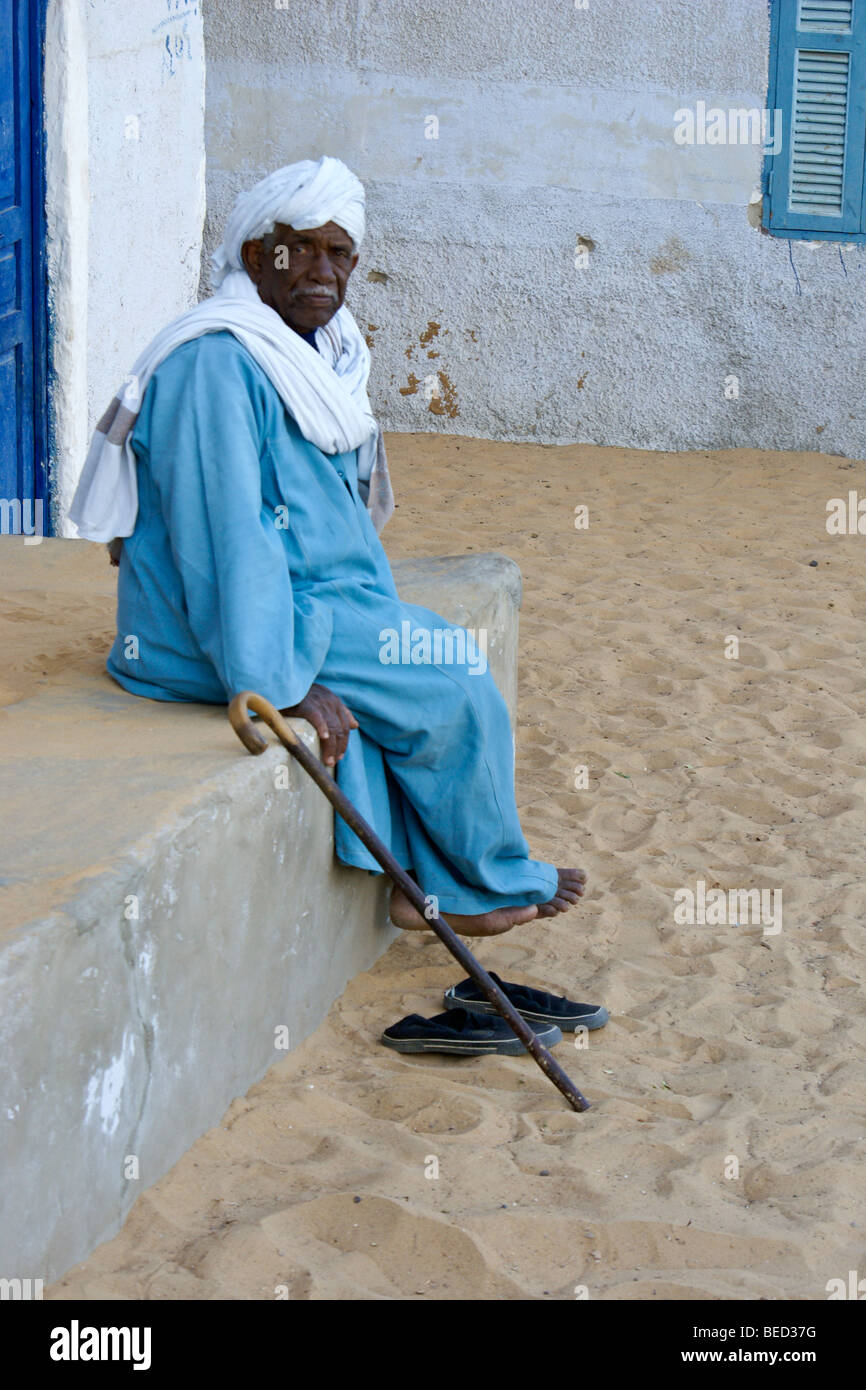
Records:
x=243, y=466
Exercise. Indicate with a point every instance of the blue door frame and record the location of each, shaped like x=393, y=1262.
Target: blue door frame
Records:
x=24, y=440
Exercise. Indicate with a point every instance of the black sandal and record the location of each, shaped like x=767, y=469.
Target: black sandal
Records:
x=463, y=1033
x=534, y=1005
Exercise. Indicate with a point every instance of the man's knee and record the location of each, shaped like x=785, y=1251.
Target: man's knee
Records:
x=461, y=701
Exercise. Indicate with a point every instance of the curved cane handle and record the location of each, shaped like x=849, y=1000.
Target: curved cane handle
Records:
x=249, y=735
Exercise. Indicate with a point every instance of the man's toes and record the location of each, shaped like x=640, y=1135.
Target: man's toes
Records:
x=563, y=901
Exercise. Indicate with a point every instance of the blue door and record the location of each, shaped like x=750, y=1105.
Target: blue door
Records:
x=23, y=415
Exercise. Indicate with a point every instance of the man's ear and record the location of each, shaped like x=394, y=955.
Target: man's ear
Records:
x=252, y=255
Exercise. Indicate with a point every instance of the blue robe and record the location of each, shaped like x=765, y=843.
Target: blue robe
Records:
x=254, y=565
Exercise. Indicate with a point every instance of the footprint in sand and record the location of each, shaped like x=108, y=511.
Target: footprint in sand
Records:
x=648, y=685
x=511, y=957
x=682, y=583
x=423, y=1109
x=615, y=828
x=374, y=1244
x=674, y=1045
x=826, y=738
x=705, y=1107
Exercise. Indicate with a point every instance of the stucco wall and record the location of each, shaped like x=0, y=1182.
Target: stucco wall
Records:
x=124, y=98
x=554, y=123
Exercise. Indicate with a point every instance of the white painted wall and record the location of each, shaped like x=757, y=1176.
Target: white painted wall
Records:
x=553, y=123
x=124, y=98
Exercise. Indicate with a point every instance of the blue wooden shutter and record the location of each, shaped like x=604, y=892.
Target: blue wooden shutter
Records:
x=23, y=471
x=814, y=185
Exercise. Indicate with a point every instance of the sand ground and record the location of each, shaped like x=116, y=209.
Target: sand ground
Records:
x=730, y=1050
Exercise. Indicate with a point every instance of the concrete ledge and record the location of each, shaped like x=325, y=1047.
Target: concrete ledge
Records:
x=164, y=907
x=472, y=591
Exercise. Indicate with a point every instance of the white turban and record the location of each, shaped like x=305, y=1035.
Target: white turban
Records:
x=324, y=387
x=303, y=195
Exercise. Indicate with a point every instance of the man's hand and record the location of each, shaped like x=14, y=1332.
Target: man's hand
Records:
x=330, y=718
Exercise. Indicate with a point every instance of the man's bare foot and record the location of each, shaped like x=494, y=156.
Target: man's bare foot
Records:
x=572, y=885
x=501, y=919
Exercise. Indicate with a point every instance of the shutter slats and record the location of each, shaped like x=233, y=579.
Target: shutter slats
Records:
x=821, y=82
x=833, y=16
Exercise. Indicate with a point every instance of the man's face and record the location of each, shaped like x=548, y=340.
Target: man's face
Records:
x=304, y=277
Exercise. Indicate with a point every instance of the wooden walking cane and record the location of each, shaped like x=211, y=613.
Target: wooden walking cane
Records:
x=255, y=742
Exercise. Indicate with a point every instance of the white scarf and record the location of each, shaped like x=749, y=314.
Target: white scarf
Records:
x=325, y=392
